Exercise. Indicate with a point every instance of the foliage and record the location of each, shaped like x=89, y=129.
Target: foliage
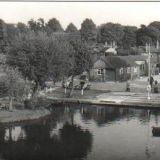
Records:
x=13, y=85
x=111, y=32
x=54, y=25
x=88, y=31
x=129, y=38
x=148, y=34
x=71, y=28
x=40, y=57
x=82, y=57
x=3, y=34
x=22, y=28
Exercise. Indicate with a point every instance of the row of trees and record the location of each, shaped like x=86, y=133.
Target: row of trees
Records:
x=124, y=36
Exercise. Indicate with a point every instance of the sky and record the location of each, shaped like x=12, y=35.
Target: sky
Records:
x=125, y=13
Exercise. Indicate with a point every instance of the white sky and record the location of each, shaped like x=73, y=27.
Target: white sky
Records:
x=126, y=13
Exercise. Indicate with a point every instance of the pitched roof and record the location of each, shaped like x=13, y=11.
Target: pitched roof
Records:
x=113, y=62
x=131, y=59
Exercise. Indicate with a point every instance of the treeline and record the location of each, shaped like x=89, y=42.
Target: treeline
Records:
x=124, y=36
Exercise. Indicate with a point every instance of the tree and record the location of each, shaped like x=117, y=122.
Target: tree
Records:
x=146, y=34
x=54, y=25
x=13, y=85
x=22, y=27
x=129, y=38
x=111, y=32
x=88, y=31
x=40, y=57
x=33, y=25
x=3, y=36
x=155, y=24
x=11, y=33
x=71, y=28
x=81, y=60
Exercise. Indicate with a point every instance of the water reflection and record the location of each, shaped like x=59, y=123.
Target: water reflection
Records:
x=75, y=132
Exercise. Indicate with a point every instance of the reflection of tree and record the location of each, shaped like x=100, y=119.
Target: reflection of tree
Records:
x=103, y=115
x=74, y=143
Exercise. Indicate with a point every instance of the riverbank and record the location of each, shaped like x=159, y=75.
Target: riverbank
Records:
x=101, y=97
x=22, y=115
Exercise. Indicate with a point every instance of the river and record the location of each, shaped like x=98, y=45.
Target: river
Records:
x=83, y=132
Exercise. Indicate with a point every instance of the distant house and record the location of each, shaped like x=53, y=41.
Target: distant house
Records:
x=121, y=68
x=110, y=68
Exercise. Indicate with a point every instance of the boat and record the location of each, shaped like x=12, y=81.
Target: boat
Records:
x=156, y=131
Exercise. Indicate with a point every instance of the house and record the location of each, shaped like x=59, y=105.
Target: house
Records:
x=121, y=68
x=110, y=68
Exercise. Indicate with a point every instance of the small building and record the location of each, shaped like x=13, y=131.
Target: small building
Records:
x=121, y=68
x=110, y=68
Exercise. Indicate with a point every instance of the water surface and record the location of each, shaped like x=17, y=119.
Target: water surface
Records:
x=83, y=132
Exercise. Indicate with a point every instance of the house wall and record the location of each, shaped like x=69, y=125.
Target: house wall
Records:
x=122, y=74
x=109, y=75
x=94, y=76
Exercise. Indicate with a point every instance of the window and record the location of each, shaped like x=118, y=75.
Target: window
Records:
x=100, y=71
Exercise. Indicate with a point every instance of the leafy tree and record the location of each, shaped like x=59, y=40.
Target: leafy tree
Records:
x=71, y=28
x=129, y=38
x=13, y=85
x=111, y=32
x=22, y=27
x=148, y=34
x=54, y=25
x=155, y=24
x=3, y=36
x=88, y=31
x=11, y=33
x=40, y=57
x=81, y=60
x=33, y=25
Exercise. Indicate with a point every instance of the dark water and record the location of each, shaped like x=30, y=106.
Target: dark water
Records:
x=76, y=132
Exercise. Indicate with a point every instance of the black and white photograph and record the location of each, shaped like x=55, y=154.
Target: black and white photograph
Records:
x=79, y=80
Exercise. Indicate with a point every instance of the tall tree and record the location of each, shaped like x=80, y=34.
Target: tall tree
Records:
x=54, y=25
x=148, y=34
x=88, y=31
x=129, y=38
x=33, y=25
x=155, y=24
x=71, y=28
x=3, y=36
x=40, y=57
x=22, y=27
x=111, y=32
x=81, y=60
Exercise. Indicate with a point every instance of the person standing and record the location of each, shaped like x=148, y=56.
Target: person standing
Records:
x=156, y=86
x=151, y=81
